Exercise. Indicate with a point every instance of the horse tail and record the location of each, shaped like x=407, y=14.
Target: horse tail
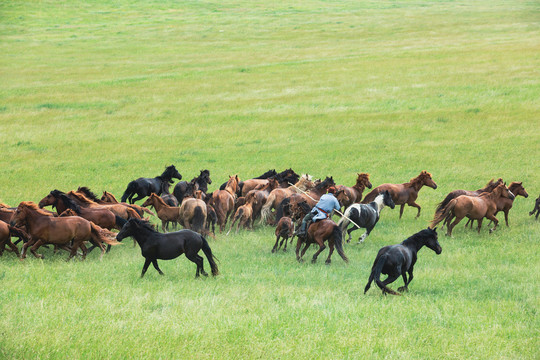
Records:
x=102, y=235
x=338, y=242
x=280, y=211
x=266, y=211
x=146, y=210
x=442, y=204
x=444, y=213
x=376, y=275
x=371, y=196
x=210, y=256
x=198, y=220
x=344, y=222
x=129, y=191
x=120, y=222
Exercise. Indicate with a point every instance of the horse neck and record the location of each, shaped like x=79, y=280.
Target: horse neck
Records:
x=230, y=190
x=359, y=188
x=379, y=203
x=413, y=244
x=415, y=184
x=60, y=205
x=32, y=216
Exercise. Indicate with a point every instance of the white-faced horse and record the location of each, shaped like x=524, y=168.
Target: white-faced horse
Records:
x=365, y=215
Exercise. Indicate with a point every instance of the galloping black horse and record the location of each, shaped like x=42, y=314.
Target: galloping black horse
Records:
x=155, y=245
x=145, y=186
x=395, y=260
x=184, y=188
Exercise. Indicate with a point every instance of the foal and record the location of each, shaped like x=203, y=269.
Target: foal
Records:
x=164, y=212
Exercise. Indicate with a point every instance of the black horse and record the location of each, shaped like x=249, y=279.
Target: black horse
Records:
x=184, y=189
x=145, y=186
x=155, y=245
x=365, y=215
x=395, y=260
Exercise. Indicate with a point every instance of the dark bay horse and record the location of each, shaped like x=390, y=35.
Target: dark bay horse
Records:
x=473, y=207
x=396, y=260
x=454, y=194
x=143, y=187
x=354, y=193
x=365, y=215
x=536, y=208
x=99, y=216
x=61, y=231
x=318, y=233
x=405, y=193
x=284, y=230
x=156, y=246
x=187, y=189
x=223, y=201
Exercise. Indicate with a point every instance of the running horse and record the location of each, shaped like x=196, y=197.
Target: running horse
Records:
x=473, y=207
x=319, y=232
x=223, y=201
x=354, y=193
x=61, y=231
x=405, y=193
x=108, y=198
x=143, y=187
x=187, y=189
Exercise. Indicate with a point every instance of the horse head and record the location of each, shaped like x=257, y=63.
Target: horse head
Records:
x=517, y=189
x=205, y=174
x=363, y=180
x=170, y=173
x=50, y=199
x=387, y=199
x=503, y=191
x=426, y=179
x=432, y=240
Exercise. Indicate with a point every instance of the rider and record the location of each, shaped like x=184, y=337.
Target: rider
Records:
x=323, y=210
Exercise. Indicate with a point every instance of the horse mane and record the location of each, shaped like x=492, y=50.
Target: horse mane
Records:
x=110, y=194
x=33, y=206
x=416, y=181
x=422, y=234
x=69, y=203
x=80, y=197
x=88, y=193
x=515, y=185
x=3, y=206
x=320, y=186
x=145, y=224
x=268, y=174
x=491, y=185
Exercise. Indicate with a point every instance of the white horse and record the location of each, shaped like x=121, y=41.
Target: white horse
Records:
x=365, y=215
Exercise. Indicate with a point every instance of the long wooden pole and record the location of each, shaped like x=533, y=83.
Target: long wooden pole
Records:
x=339, y=212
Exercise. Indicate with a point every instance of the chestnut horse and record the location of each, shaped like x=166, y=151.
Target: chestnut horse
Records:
x=99, y=216
x=454, y=194
x=406, y=193
x=61, y=231
x=474, y=207
x=505, y=204
x=284, y=230
x=82, y=200
x=319, y=232
x=223, y=201
x=6, y=231
x=164, y=212
x=109, y=198
x=354, y=193
x=261, y=195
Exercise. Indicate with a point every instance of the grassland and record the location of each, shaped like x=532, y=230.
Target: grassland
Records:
x=98, y=94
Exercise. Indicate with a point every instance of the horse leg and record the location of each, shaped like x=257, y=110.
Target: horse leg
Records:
x=390, y=279
x=145, y=266
x=405, y=287
x=401, y=210
x=331, y=250
x=298, y=245
x=154, y=262
x=195, y=258
x=35, y=247
x=164, y=225
x=321, y=248
x=13, y=247
x=495, y=220
x=285, y=240
x=25, y=247
x=506, y=217
x=451, y=226
x=85, y=251
x=418, y=207
x=349, y=231
x=133, y=200
x=479, y=224
x=201, y=260
x=275, y=248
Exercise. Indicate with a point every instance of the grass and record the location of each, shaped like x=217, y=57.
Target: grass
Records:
x=97, y=94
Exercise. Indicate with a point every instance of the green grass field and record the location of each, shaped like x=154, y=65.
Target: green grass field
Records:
x=96, y=94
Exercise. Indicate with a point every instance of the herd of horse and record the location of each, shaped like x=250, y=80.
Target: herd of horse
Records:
x=279, y=199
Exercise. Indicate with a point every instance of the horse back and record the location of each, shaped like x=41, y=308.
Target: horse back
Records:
x=474, y=207
x=171, y=245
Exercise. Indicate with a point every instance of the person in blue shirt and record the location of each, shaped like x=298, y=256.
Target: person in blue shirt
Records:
x=323, y=210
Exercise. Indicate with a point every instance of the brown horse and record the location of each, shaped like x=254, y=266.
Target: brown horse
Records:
x=244, y=214
x=164, y=212
x=313, y=195
x=122, y=211
x=276, y=196
x=406, y=193
x=260, y=196
x=354, y=193
x=223, y=201
x=45, y=229
x=99, y=216
x=109, y=198
x=454, y=194
x=318, y=233
x=284, y=230
x=505, y=204
x=193, y=214
x=474, y=207
x=6, y=231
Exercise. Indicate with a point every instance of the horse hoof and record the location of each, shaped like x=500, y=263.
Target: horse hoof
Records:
x=491, y=231
x=327, y=262
x=402, y=289
x=313, y=261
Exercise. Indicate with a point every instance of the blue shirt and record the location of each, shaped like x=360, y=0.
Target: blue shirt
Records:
x=328, y=202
